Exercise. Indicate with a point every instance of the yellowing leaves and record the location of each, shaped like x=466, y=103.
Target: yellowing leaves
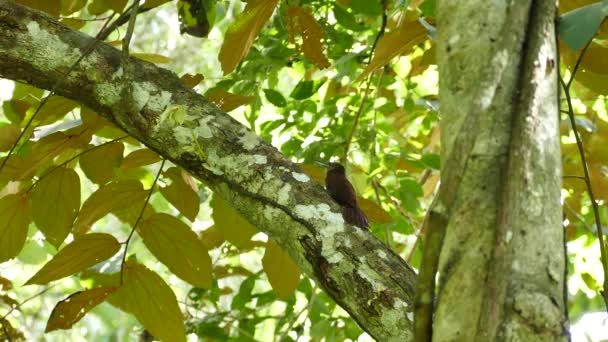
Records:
x=178, y=247
x=151, y=300
x=230, y=223
x=8, y=136
x=242, y=32
x=80, y=254
x=152, y=58
x=192, y=80
x=283, y=274
x=180, y=193
x=138, y=158
x=301, y=21
x=70, y=310
x=55, y=204
x=227, y=101
x=15, y=216
x=395, y=43
x=99, y=163
x=110, y=197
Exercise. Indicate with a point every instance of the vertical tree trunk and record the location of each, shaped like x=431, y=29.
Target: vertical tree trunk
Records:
x=501, y=268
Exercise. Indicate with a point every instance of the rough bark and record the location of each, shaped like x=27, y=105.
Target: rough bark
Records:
x=359, y=272
x=501, y=265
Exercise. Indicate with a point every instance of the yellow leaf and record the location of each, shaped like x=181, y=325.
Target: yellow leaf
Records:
x=174, y=244
x=70, y=6
x=99, y=163
x=151, y=300
x=373, y=211
x=154, y=3
x=227, y=101
x=283, y=274
x=315, y=172
x=70, y=310
x=110, y=197
x=82, y=253
x=8, y=136
x=75, y=24
x=51, y=7
x=152, y=58
x=139, y=158
x=242, y=32
x=15, y=216
x=43, y=152
x=180, y=194
x=394, y=43
x=192, y=80
x=230, y=223
x=211, y=238
x=61, y=188
x=301, y=21
x=55, y=108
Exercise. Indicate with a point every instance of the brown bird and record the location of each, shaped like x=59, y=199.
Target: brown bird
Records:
x=342, y=191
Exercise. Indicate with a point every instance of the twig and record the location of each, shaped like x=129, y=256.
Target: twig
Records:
x=19, y=305
x=369, y=78
x=587, y=178
x=297, y=316
x=141, y=214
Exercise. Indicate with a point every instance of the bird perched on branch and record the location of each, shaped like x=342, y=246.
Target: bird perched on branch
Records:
x=342, y=191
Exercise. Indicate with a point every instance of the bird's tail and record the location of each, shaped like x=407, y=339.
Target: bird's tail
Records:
x=354, y=216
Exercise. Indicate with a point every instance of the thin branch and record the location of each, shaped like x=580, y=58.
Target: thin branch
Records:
x=587, y=178
x=19, y=305
x=297, y=316
x=141, y=214
x=367, y=88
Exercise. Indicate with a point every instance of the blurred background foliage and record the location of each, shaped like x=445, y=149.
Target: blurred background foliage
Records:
x=348, y=80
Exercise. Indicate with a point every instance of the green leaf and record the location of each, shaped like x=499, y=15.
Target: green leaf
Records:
x=275, y=97
x=80, y=254
x=244, y=295
x=347, y=19
x=578, y=27
x=145, y=295
x=62, y=188
x=368, y=7
x=15, y=216
x=178, y=247
x=283, y=274
x=305, y=89
x=8, y=136
x=71, y=309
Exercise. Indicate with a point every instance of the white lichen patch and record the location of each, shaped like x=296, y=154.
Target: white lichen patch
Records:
x=146, y=94
x=283, y=194
x=499, y=63
x=367, y=273
x=270, y=213
x=381, y=254
x=51, y=53
x=203, y=130
x=248, y=139
x=260, y=159
x=300, y=177
x=508, y=236
x=328, y=234
x=108, y=94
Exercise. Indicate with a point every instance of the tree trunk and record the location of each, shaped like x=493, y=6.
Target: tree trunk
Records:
x=501, y=267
